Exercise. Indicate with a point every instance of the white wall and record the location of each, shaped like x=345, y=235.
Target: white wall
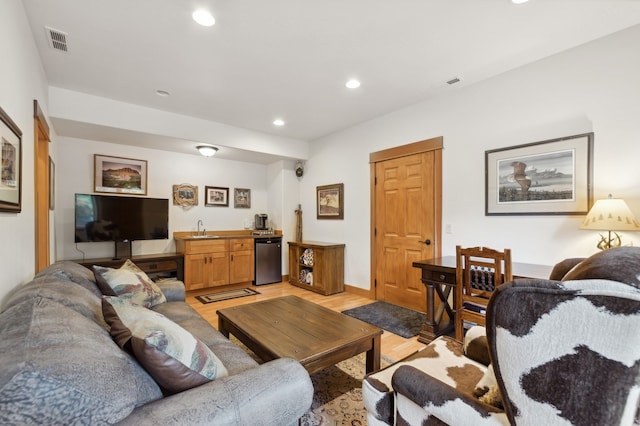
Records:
x=165, y=169
x=21, y=81
x=590, y=88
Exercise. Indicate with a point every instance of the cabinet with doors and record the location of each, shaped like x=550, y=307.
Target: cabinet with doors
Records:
x=206, y=262
x=317, y=266
x=241, y=264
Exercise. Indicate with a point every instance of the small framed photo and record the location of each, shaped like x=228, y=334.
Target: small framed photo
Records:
x=11, y=176
x=241, y=198
x=185, y=195
x=552, y=177
x=120, y=175
x=330, y=201
x=215, y=196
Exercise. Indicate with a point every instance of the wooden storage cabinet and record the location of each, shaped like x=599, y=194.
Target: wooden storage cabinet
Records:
x=325, y=263
x=154, y=265
x=216, y=262
x=241, y=264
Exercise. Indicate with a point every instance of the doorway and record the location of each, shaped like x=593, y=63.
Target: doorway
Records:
x=406, y=223
x=42, y=188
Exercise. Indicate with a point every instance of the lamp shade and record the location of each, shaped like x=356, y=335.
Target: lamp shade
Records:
x=207, y=150
x=610, y=214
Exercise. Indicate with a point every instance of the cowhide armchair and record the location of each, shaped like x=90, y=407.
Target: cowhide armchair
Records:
x=564, y=353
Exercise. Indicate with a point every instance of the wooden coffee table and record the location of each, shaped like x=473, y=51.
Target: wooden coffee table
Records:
x=291, y=327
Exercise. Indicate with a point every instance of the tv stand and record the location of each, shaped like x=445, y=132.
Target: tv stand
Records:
x=154, y=265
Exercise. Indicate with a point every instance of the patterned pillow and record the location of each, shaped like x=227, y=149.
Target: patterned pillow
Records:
x=129, y=282
x=170, y=354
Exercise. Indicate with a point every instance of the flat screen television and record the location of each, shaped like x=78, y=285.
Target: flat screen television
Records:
x=120, y=218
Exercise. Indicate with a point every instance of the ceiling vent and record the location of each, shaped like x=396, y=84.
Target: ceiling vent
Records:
x=454, y=80
x=57, y=39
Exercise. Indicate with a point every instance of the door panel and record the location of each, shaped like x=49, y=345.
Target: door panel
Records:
x=406, y=213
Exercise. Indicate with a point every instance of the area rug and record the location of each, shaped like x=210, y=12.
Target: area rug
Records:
x=395, y=319
x=226, y=295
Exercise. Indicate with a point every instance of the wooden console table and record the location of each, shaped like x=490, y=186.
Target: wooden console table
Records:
x=439, y=278
x=153, y=265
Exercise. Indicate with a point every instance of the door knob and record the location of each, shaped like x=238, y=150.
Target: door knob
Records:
x=427, y=242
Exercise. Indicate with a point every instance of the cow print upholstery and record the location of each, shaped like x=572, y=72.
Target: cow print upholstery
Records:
x=565, y=351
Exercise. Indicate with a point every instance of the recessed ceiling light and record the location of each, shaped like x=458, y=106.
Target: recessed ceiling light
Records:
x=352, y=84
x=162, y=93
x=519, y=1
x=203, y=17
x=278, y=122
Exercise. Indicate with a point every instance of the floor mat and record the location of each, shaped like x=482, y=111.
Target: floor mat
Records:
x=396, y=319
x=226, y=295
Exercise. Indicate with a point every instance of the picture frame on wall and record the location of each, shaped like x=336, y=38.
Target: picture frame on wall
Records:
x=185, y=195
x=216, y=196
x=551, y=177
x=241, y=198
x=330, y=201
x=120, y=175
x=11, y=172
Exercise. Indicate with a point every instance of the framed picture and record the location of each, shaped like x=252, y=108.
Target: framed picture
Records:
x=541, y=178
x=52, y=185
x=241, y=198
x=185, y=195
x=120, y=175
x=215, y=196
x=11, y=177
x=330, y=201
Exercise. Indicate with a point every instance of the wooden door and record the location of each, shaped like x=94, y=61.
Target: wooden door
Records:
x=406, y=221
x=42, y=189
x=196, y=273
x=241, y=266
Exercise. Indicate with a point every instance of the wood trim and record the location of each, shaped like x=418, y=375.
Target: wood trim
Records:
x=41, y=141
x=359, y=291
x=404, y=150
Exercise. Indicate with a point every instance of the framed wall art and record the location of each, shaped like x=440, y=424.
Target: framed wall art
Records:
x=552, y=177
x=11, y=176
x=120, y=175
x=215, y=196
x=330, y=201
x=241, y=198
x=185, y=195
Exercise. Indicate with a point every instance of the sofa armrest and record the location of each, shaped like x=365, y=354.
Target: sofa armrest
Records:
x=441, y=400
x=172, y=289
x=275, y=393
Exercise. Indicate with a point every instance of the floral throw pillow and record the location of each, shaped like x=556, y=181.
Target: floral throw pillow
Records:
x=171, y=355
x=129, y=282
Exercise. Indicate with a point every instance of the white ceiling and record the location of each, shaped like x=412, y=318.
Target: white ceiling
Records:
x=290, y=58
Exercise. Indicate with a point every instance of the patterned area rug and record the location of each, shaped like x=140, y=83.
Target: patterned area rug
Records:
x=337, y=396
x=396, y=319
x=225, y=295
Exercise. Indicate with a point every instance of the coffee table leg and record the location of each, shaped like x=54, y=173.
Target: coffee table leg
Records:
x=373, y=355
x=222, y=329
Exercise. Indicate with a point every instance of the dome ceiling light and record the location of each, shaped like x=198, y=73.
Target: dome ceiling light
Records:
x=207, y=150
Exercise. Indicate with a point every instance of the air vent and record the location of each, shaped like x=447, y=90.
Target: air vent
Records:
x=57, y=39
x=455, y=80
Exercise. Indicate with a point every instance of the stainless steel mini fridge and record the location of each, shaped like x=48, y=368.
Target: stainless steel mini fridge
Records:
x=268, y=255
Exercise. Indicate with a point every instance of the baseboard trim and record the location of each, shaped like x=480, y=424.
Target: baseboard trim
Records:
x=359, y=291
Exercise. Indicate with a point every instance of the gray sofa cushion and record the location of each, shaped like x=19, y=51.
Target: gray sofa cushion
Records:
x=71, y=271
x=45, y=348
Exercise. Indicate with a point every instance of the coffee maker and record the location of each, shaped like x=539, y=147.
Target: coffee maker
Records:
x=261, y=222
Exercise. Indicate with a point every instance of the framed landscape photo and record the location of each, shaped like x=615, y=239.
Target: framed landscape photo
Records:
x=215, y=196
x=330, y=201
x=120, y=175
x=185, y=195
x=11, y=176
x=241, y=198
x=552, y=177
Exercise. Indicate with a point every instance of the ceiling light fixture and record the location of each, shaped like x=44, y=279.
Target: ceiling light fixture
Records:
x=207, y=150
x=278, y=122
x=519, y=1
x=162, y=93
x=352, y=84
x=203, y=17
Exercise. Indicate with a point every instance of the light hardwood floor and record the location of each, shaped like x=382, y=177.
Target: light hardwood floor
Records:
x=394, y=347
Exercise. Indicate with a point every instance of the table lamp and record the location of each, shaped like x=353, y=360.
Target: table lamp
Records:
x=611, y=215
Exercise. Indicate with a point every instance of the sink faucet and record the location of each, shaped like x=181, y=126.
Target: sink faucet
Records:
x=200, y=223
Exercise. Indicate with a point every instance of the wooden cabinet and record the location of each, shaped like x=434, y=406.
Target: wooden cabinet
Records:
x=241, y=263
x=216, y=262
x=163, y=265
x=317, y=266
